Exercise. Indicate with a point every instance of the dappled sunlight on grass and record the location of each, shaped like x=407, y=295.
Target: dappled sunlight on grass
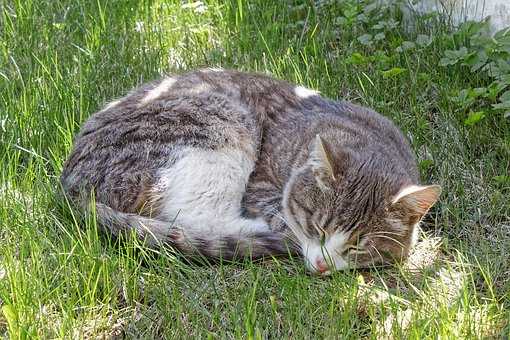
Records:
x=430, y=285
x=59, y=277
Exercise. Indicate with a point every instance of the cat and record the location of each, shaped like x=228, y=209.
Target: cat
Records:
x=230, y=164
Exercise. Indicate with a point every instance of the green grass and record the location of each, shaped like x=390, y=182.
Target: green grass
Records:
x=61, y=60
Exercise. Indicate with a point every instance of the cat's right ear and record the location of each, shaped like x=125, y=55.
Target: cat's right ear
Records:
x=322, y=164
x=416, y=200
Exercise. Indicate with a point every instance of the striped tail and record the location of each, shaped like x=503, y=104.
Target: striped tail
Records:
x=156, y=232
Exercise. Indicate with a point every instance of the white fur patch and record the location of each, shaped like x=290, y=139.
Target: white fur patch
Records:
x=156, y=92
x=304, y=92
x=111, y=105
x=203, y=192
x=213, y=69
x=329, y=253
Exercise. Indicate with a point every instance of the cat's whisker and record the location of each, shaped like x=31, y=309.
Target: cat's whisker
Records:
x=292, y=237
x=383, y=233
x=380, y=232
x=389, y=238
x=377, y=251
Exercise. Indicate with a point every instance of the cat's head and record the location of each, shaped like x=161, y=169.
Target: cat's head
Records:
x=351, y=213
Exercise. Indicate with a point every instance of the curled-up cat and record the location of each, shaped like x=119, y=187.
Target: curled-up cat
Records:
x=230, y=164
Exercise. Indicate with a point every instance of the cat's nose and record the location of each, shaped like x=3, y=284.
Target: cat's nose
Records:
x=321, y=266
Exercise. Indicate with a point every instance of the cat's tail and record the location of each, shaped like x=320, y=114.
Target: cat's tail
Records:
x=157, y=232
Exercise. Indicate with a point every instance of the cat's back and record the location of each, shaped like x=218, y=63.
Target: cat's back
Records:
x=122, y=147
x=376, y=137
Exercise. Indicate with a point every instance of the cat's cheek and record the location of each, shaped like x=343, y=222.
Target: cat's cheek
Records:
x=341, y=263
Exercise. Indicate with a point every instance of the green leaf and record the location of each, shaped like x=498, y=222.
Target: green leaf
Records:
x=380, y=25
x=476, y=60
x=365, y=39
x=505, y=97
x=379, y=36
x=450, y=54
x=357, y=59
x=502, y=37
x=363, y=18
x=505, y=78
x=370, y=7
x=447, y=61
x=464, y=97
x=341, y=21
x=423, y=40
x=504, y=101
x=351, y=12
x=422, y=76
x=467, y=97
x=500, y=69
x=474, y=117
x=393, y=72
x=461, y=52
x=392, y=24
x=407, y=45
x=503, y=33
x=502, y=179
x=477, y=92
x=474, y=28
x=383, y=61
x=503, y=105
x=452, y=57
x=494, y=89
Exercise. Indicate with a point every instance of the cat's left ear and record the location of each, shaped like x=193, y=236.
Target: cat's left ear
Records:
x=322, y=163
x=417, y=199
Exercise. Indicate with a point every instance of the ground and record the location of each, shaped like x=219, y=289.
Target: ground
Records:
x=60, y=61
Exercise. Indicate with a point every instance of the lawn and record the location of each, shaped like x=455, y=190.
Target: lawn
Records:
x=60, y=61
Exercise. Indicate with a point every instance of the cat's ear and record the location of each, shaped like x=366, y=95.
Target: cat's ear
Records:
x=417, y=199
x=323, y=166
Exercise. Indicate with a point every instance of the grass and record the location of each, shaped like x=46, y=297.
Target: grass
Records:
x=61, y=60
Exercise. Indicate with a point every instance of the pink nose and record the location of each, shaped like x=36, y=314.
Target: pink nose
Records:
x=321, y=265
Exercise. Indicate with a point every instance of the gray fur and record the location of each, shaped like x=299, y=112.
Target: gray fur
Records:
x=121, y=149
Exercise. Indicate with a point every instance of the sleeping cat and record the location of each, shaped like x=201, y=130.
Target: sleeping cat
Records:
x=229, y=164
